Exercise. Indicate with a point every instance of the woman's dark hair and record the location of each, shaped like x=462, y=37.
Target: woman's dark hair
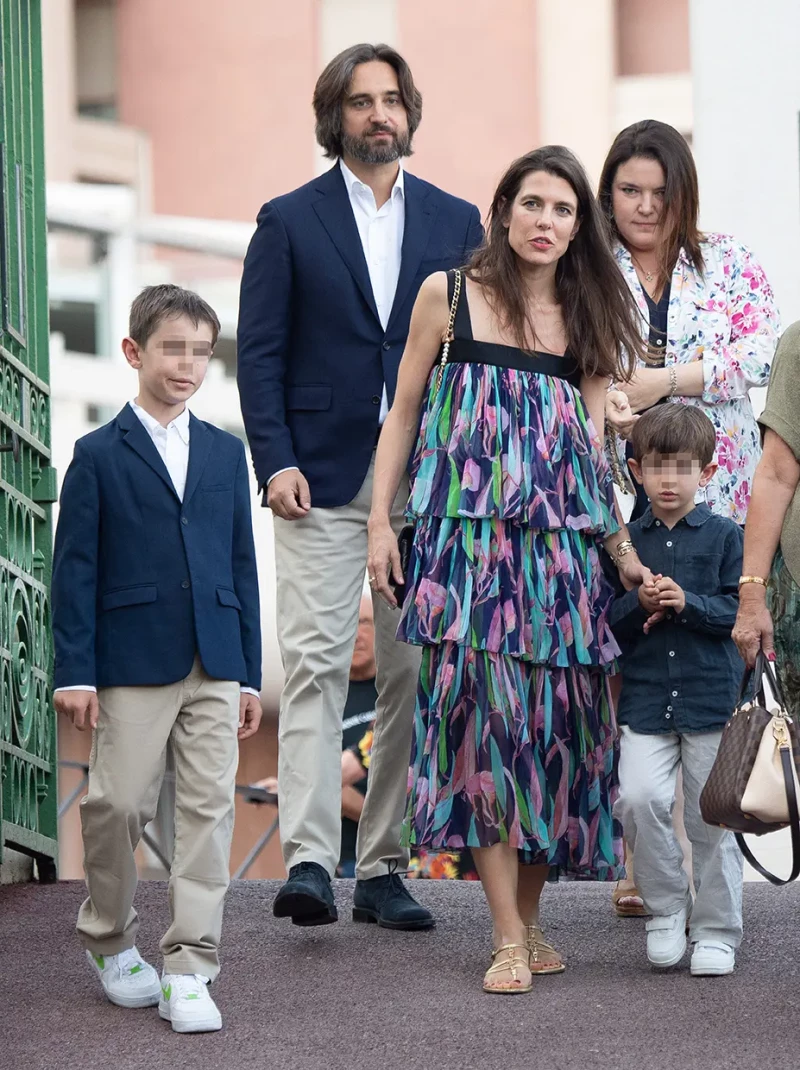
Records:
x=600, y=314
x=675, y=428
x=333, y=83
x=652, y=140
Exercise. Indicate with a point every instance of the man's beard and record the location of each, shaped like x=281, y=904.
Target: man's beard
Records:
x=367, y=150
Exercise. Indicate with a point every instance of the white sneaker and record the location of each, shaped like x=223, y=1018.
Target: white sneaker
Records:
x=712, y=958
x=186, y=1003
x=666, y=939
x=126, y=978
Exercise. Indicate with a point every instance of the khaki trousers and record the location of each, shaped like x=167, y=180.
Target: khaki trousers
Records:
x=321, y=561
x=199, y=716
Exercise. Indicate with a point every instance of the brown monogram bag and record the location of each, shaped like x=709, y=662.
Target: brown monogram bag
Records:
x=753, y=785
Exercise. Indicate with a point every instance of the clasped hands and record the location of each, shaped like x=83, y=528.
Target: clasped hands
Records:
x=657, y=596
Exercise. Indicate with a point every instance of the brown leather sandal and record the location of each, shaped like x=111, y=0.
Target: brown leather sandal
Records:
x=510, y=965
x=627, y=902
x=540, y=952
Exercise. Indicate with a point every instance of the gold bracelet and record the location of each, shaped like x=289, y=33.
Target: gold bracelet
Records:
x=621, y=549
x=752, y=579
x=673, y=381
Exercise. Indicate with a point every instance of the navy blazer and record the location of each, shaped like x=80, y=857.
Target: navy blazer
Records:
x=143, y=582
x=313, y=356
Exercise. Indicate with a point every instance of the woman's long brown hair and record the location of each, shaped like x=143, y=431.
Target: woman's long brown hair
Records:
x=600, y=315
x=652, y=140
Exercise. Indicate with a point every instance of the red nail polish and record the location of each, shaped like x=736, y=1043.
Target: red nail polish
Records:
x=771, y=657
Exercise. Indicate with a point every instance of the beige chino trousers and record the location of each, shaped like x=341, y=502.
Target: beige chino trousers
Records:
x=199, y=716
x=321, y=561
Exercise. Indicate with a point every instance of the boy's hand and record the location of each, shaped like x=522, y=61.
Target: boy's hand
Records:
x=249, y=715
x=670, y=595
x=649, y=597
x=652, y=620
x=81, y=707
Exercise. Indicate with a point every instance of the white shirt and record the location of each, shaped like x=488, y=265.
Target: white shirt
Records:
x=172, y=443
x=381, y=231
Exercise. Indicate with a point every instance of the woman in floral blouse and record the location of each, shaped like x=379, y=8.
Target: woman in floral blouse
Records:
x=708, y=314
x=707, y=308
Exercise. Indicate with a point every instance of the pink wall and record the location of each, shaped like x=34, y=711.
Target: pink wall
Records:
x=477, y=74
x=652, y=36
x=224, y=91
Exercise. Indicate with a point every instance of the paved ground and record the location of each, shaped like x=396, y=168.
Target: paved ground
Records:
x=351, y=996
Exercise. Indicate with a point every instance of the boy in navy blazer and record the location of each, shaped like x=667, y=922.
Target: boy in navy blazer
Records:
x=157, y=639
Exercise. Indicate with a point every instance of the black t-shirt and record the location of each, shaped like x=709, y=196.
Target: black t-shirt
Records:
x=359, y=713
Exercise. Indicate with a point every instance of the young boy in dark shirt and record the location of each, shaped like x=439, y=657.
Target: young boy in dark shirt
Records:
x=681, y=675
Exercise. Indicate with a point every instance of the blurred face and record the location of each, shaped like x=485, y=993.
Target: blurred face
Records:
x=173, y=362
x=543, y=219
x=374, y=119
x=670, y=481
x=362, y=666
x=637, y=201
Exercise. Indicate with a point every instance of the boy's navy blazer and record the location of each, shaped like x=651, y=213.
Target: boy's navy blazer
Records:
x=143, y=582
x=313, y=357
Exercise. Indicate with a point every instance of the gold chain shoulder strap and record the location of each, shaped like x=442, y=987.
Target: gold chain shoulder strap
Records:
x=450, y=325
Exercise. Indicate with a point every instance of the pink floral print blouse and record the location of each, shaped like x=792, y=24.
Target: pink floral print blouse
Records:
x=727, y=318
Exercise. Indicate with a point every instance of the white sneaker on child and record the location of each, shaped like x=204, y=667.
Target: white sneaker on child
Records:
x=666, y=939
x=712, y=958
x=126, y=978
x=186, y=1003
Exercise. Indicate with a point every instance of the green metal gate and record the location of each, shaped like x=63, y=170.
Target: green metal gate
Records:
x=28, y=758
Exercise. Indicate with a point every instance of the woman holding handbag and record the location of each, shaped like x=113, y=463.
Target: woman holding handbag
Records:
x=513, y=752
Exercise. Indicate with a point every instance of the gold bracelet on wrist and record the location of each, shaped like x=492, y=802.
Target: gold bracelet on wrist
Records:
x=752, y=579
x=621, y=549
x=673, y=381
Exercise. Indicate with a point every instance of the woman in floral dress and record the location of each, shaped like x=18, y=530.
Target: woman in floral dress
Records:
x=514, y=739
x=708, y=315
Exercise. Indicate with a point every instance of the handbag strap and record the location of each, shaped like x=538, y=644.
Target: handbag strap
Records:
x=448, y=338
x=763, y=667
x=787, y=765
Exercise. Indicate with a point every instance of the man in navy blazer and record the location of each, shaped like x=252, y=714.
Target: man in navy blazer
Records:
x=157, y=641
x=329, y=283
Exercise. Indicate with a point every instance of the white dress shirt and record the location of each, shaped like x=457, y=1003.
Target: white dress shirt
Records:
x=172, y=443
x=381, y=231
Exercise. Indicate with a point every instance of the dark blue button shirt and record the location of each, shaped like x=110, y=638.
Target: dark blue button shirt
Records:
x=686, y=674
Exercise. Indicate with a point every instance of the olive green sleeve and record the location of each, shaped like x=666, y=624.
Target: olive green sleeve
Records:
x=782, y=409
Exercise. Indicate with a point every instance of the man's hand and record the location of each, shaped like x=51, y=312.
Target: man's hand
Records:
x=81, y=707
x=288, y=495
x=670, y=595
x=249, y=715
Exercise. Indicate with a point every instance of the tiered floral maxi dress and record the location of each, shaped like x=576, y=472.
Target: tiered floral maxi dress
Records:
x=514, y=735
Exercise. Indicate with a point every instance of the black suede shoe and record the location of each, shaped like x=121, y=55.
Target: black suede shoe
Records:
x=306, y=897
x=385, y=901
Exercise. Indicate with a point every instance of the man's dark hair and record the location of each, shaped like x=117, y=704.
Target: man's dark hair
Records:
x=674, y=428
x=333, y=83
x=158, y=303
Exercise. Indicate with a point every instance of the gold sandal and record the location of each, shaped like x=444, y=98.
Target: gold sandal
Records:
x=538, y=946
x=510, y=964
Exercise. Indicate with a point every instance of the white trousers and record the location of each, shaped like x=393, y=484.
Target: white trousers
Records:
x=321, y=562
x=648, y=773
